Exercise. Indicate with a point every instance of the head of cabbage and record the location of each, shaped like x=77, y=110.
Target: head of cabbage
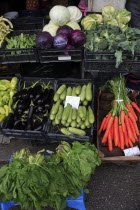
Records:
x=75, y=14
x=108, y=10
x=74, y=25
x=89, y=22
x=123, y=16
x=51, y=28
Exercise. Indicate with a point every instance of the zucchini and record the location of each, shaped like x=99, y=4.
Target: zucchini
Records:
x=55, y=107
x=73, y=124
x=83, y=126
x=83, y=93
x=60, y=111
x=63, y=95
x=70, y=116
x=67, y=124
x=73, y=91
x=69, y=91
x=56, y=97
x=76, y=131
x=84, y=113
x=91, y=117
x=63, y=122
x=53, y=123
x=65, y=131
x=78, y=90
x=52, y=116
x=87, y=123
x=57, y=122
x=85, y=102
x=74, y=114
x=80, y=112
x=78, y=119
x=66, y=111
x=89, y=92
x=61, y=89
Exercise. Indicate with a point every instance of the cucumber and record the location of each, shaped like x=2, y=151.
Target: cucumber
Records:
x=76, y=131
x=65, y=131
x=73, y=124
x=70, y=116
x=78, y=90
x=85, y=102
x=61, y=89
x=69, y=91
x=84, y=113
x=55, y=107
x=78, y=119
x=87, y=123
x=67, y=124
x=89, y=92
x=83, y=126
x=83, y=93
x=63, y=95
x=60, y=111
x=56, y=97
x=73, y=91
x=91, y=117
x=66, y=111
x=52, y=116
x=57, y=122
x=74, y=114
x=80, y=112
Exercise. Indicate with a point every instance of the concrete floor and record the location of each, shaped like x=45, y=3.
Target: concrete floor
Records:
x=112, y=187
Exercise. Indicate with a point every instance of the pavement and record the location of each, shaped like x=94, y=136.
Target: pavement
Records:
x=112, y=187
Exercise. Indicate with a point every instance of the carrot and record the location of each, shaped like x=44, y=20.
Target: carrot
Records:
x=110, y=148
x=112, y=132
x=130, y=135
x=110, y=122
x=107, y=118
x=125, y=136
x=134, y=124
x=119, y=143
x=102, y=125
x=116, y=130
x=133, y=129
x=135, y=106
x=130, y=143
x=122, y=114
x=131, y=110
x=121, y=137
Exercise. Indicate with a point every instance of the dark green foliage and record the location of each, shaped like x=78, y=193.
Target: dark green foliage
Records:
x=33, y=180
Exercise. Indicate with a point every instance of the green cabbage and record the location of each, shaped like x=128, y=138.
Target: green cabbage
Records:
x=123, y=16
x=75, y=14
x=51, y=28
x=88, y=23
x=108, y=10
x=113, y=22
x=74, y=25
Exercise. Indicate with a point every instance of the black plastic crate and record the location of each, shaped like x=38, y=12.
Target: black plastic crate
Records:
x=60, y=55
x=105, y=62
x=28, y=23
x=19, y=55
x=28, y=134
x=10, y=70
x=53, y=133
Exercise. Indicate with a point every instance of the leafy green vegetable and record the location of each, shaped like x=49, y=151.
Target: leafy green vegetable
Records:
x=33, y=180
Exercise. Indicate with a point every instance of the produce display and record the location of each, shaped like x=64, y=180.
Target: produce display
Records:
x=73, y=120
x=7, y=89
x=20, y=41
x=31, y=106
x=5, y=28
x=35, y=181
x=109, y=15
x=106, y=38
x=119, y=127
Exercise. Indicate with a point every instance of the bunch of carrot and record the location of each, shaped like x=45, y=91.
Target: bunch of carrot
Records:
x=120, y=124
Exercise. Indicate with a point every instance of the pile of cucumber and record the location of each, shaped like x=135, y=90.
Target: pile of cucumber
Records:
x=75, y=121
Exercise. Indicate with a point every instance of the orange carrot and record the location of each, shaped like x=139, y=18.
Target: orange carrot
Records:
x=134, y=124
x=130, y=143
x=130, y=135
x=107, y=119
x=110, y=148
x=116, y=130
x=110, y=122
x=121, y=137
x=135, y=106
x=133, y=129
x=131, y=110
x=102, y=125
x=122, y=114
x=125, y=136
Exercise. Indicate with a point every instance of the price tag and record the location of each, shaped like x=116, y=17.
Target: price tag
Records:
x=73, y=100
x=134, y=151
x=64, y=58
